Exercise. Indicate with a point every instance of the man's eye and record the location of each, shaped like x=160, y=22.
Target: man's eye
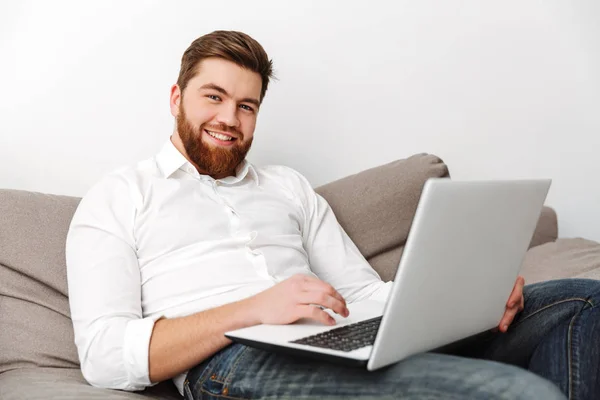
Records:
x=245, y=107
x=214, y=97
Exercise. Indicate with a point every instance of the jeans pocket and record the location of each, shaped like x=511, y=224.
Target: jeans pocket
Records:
x=220, y=380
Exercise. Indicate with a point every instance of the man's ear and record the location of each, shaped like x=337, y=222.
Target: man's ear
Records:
x=175, y=100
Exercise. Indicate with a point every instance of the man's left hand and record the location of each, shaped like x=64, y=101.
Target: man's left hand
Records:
x=515, y=303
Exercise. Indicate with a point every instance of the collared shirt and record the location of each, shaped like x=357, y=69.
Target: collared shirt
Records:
x=160, y=240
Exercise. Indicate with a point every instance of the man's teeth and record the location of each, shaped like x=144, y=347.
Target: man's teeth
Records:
x=219, y=136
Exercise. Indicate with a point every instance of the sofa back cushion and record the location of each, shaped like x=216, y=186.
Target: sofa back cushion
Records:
x=375, y=207
x=35, y=326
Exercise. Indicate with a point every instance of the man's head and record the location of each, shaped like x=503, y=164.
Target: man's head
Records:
x=223, y=79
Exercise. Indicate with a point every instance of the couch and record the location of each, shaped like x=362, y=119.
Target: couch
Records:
x=38, y=358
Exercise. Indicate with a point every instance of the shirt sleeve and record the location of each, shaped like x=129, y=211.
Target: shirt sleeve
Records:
x=333, y=256
x=111, y=336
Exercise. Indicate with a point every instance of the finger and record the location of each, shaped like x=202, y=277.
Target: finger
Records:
x=314, y=312
x=314, y=285
x=320, y=286
x=514, y=294
x=520, y=303
x=325, y=300
x=517, y=292
x=507, y=319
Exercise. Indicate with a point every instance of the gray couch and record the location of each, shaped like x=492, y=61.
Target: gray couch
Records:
x=38, y=359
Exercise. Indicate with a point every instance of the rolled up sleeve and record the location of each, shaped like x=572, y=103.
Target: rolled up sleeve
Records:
x=111, y=335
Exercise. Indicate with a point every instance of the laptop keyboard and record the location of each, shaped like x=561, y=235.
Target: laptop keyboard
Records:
x=346, y=338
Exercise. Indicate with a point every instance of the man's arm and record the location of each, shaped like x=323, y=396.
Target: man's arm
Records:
x=333, y=256
x=105, y=288
x=179, y=344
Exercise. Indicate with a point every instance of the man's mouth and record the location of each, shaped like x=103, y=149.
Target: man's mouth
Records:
x=220, y=138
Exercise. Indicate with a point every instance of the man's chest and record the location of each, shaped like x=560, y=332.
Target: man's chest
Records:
x=175, y=214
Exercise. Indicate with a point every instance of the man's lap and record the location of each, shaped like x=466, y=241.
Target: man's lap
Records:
x=244, y=372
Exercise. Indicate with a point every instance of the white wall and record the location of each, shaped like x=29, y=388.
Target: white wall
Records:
x=505, y=89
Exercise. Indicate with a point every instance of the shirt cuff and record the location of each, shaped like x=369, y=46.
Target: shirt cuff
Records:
x=135, y=351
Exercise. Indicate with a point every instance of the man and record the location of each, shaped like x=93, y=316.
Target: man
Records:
x=166, y=256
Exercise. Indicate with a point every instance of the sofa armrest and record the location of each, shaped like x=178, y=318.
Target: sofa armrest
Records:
x=546, y=229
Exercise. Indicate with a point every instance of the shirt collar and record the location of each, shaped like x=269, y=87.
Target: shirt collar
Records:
x=245, y=168
x=169, y=160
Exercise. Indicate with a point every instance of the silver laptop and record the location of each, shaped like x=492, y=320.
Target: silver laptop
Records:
x=462, y=257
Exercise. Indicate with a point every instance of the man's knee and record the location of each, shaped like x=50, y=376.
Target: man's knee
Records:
x=516, y=383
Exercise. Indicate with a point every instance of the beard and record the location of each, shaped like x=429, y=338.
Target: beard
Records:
x=211, y=160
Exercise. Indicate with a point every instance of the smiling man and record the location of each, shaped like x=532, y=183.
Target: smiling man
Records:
x=166, y=256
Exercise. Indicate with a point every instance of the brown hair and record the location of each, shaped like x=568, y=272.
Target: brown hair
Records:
x=232, y=46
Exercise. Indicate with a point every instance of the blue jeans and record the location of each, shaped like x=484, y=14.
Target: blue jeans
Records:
x=553, y=346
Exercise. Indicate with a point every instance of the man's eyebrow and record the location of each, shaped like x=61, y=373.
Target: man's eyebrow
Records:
x=219, y=89
x=214, y=87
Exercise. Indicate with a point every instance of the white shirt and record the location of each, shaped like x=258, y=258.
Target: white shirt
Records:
x=160, y=240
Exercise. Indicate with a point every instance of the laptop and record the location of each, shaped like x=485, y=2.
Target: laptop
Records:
x=461, y=260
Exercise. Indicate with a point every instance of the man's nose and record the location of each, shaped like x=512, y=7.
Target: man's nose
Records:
x=228, y=115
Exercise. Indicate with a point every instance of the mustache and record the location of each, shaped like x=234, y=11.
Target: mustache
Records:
x=222, y=128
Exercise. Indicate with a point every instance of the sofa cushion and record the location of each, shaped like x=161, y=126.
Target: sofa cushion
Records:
x=564, y=258
x=36, y=329
x=376, y=207
x=546, y=229
x=61, y=383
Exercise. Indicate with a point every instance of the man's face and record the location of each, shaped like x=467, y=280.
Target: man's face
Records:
x=216, y=115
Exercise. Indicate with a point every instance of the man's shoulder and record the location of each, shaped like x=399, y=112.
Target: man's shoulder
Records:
x=118, y=177
x=122, y=183
x=128, y=174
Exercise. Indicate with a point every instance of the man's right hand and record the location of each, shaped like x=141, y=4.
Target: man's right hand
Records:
x=298, y=297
